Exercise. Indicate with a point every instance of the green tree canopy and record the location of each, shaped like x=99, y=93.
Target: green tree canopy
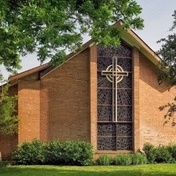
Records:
x=8, y=117
x=168, y=56
x=52, y=27
x=167, y=68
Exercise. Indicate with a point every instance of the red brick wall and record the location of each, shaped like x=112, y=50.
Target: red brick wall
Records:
x=136, y=116
x=151, y=97
x=29, y=109
x=65, y=99
x=93, y=96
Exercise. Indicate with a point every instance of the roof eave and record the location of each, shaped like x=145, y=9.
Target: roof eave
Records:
x=14, y=79
x=135, y=41
x=88, y=44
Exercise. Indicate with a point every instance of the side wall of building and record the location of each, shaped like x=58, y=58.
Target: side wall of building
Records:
x=153, y=126
x=29, y=108
x=65, y=100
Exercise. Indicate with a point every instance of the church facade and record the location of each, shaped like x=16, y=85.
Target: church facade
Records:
x=107, y=96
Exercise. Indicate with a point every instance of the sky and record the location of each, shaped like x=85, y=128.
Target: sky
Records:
x=157, y=15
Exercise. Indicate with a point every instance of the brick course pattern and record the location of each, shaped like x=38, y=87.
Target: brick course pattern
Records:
x=151, y=96
x=29, y=110
x=65, y=98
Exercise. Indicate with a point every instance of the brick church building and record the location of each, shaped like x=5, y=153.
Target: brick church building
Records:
x=107, y=96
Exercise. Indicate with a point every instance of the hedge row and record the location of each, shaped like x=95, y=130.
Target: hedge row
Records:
x=149, y=155
x=81, y=153
x=122, y=159
x=55, y=153
x=160, y=154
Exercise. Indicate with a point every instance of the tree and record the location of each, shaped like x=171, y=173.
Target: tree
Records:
x=8, y=119
x=167, y=67
x=52, y=27
x=167, y=52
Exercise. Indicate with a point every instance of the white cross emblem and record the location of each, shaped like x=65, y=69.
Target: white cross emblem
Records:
x=114, y=73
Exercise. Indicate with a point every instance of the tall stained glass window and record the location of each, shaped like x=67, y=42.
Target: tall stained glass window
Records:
x=114, y=94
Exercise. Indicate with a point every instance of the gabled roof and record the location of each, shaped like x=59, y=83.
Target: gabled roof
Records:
x=129, y=36
x=29, y=72
x=135, y=41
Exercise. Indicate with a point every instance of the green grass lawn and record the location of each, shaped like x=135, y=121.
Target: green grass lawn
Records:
x=145, y=170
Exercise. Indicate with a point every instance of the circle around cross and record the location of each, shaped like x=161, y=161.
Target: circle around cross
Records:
x=110, y=77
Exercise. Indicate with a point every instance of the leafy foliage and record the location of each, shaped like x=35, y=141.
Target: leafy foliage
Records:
x=149, y=151
x=104, y=160
x=171, y=109
x=167, y=66
x=138, y=158
x=123, y=159
x=81, y=153
x=168, y=56
x=55, y=153
x=172, y=150
x=69, y=153
x=3, y=164
x=8, y=117
x=160, y=154
x=163, y=155
x=29, y=153
x=52, y=27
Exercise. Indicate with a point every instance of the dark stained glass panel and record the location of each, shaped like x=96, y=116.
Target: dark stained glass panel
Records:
x=102, y=81
x=123, y=51
x=114, y=134
x=107, y=128
x=124, y=96
x=106, y=143
x=124, y=130
x=105, y=96
x=124, y=143
x=104, y=113
x=124, y=113
x=126, y=82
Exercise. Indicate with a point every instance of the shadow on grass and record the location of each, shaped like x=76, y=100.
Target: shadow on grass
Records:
x=78, y=171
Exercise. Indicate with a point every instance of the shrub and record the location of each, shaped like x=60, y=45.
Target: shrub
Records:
x=162, y=155
x=4, y=164
x=53, y=153
x=69, y=153
x=172, y=150
x=56, y=152
x=105, y=160
x=123, y=159
x=138, y=158
x=29, y=153
x=85, y=152
x=150, y=153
